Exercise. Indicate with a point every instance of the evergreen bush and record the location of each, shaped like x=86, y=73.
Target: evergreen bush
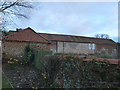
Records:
x=39, y=54
x=28, y=56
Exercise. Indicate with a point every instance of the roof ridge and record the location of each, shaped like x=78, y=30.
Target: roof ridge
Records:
x=42, y=35
x=75, y=36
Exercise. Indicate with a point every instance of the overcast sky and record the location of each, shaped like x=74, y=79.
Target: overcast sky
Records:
x=73, y=18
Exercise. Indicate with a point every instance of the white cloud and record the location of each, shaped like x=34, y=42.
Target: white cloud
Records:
x=78, y=18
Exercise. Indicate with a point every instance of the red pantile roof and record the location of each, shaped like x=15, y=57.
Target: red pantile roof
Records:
x=26, y=35
x=71, y=38
x=30, y=35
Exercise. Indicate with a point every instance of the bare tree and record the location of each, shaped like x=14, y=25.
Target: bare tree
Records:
x=18, y=8
x=14, y=7
x=105, y=36
x=97, y=36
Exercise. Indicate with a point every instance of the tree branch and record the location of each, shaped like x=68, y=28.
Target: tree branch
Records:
x=8, y=6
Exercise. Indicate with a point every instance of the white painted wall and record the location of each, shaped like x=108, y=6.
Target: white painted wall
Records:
x=78, y=48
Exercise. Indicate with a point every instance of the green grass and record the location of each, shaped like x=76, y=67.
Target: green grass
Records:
x=6, y=83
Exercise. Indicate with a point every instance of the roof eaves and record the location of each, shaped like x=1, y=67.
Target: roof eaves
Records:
x=26, y=41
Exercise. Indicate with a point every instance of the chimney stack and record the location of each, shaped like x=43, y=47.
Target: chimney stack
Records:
x=18, y=29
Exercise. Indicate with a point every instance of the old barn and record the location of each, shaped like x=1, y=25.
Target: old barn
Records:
x=14, y=44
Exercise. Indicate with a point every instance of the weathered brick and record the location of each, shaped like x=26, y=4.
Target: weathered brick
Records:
x=16, y=49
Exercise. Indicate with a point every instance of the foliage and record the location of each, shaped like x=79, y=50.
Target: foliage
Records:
x=5, y=83
x=5, y=33
x=28, y=56
x=60, y=54
x=39, y=54
x=105, y=36
x=81, y=54
x=72, y=72
x=51, y=66
x=104, y=54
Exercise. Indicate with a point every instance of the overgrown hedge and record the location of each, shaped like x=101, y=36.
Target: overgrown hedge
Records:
x=33, y=57
x=71, y=72
x=39, y=54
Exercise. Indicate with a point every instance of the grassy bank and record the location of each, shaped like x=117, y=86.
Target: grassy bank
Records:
x=6, y=83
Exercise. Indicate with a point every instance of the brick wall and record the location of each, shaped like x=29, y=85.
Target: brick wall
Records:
x=72, y=47
x=109, y=48
x=16, y=49
x=118, y=51
x=53, y=46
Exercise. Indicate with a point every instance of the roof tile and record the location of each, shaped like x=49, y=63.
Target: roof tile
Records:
x=30, y=35
x=27, y=35
x=71, y=38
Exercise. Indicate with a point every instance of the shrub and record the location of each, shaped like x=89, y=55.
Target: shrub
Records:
x=60, y=54
x=28, y=56
x=72, y=72
x=98, y=68
x=56, y=69
x=104, y=54
x=50, y=70
x=39, y=54
x=81, y=54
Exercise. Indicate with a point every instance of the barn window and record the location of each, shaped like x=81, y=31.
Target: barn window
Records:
x=91, y=46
